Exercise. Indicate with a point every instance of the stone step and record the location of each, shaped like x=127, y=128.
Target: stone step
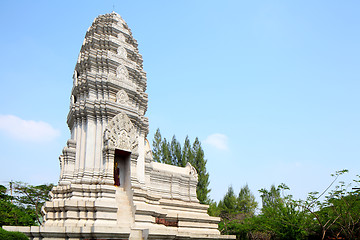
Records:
x=124, y=214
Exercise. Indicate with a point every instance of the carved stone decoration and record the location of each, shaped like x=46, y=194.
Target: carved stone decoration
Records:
x=119, y=19
x=75, y=78
x=121, y=37
x=121, y=134
x=122, y=97
x=193, y=171
x=122, y=73
x=122, y=52
x=147, y=148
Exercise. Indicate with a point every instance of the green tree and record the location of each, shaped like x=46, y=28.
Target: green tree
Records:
x=339, y=215
x=166, y=152
x=227, y=212
x=246, y=202
x=187, y=154
x=157, y=149
x=214, y=209
x=236, y=212
x=175, y=148
x=228, y=204
x=32, y=197
x=272, y=196
x=199, y=163
x=283, y=217
x=13, y=215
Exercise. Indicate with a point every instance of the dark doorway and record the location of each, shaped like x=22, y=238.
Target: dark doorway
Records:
x=121, y=167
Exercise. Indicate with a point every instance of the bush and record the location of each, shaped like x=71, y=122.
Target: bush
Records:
x=5, y=235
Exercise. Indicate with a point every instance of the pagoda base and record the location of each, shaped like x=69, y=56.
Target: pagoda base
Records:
x=105, y=233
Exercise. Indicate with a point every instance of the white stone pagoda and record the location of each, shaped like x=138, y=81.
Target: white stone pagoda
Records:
x=110, y=187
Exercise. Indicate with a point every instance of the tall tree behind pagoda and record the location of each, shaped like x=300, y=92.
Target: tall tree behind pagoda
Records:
x=157, y=142
x=175, y=149
x=199, y=162
x=166, y=156
x=246, y=201
x=187, y=153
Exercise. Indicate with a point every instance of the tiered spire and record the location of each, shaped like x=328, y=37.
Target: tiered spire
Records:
x=109, y=70
x=108, y=79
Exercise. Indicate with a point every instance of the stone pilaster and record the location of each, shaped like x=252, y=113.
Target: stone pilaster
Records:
x=109, y=154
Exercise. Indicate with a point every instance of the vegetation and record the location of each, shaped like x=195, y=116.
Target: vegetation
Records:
x=12, y=214
x=23, y=207
x=339, y=215
x=282, y=217
x=5, y=235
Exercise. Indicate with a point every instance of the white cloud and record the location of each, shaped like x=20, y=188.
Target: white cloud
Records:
x=218, y=141
x=27, y=130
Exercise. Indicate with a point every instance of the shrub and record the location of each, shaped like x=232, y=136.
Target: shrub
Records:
x=5, y=235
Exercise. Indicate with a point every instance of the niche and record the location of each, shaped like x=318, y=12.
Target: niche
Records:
x=121, y=168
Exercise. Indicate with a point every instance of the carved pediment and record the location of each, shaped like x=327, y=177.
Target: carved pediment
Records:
x=121, y=134
x=122, y=97
x=122, y=53
x=122, y=73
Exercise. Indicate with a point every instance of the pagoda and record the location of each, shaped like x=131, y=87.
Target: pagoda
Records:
x=110, y=187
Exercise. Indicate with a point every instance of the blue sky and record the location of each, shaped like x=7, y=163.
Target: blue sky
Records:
x=271, y=88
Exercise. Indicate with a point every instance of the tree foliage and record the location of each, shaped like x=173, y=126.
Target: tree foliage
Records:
x=23, y=208
x=282, y=217
x=12, y=214
x=339, y=215
x=173, y=153
x=199, y=162
x=246, y=201
x=235, y=211
x=33, y=197
x=5, y=235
